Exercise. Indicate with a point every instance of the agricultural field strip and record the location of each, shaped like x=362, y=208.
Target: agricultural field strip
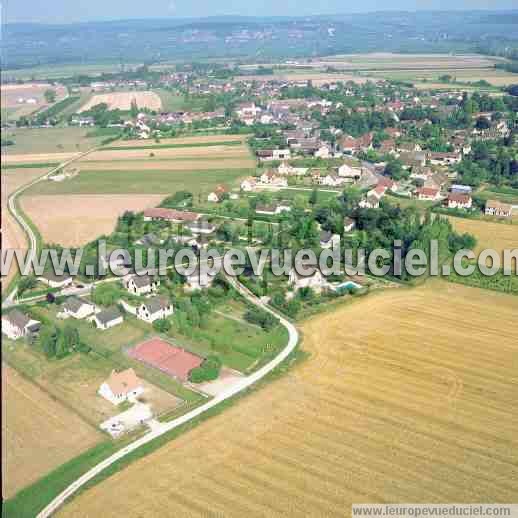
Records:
x=240, y=386
x=174, y=146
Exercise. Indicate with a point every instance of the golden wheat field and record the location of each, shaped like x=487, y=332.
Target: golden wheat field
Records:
x=498, y=236
x=123, y=100
x=87, y=216
x=407, y=396
x=38, y=433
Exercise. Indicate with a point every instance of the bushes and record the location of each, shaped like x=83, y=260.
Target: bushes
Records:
x=207, y=371
x=261, y=318
x=162, y=325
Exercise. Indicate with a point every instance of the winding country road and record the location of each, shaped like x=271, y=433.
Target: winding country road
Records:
x=11, y=203
x=163, y=428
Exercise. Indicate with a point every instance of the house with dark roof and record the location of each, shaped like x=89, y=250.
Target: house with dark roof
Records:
x=155, y=308
x=55, y=281
x=142, y=284
x=78, y=308
x=16, y=324
x=107, y=318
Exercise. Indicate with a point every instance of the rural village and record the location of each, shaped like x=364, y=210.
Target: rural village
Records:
x=214, y=157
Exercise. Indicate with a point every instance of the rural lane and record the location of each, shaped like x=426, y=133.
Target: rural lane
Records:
x=11, y=203
x=163, y=428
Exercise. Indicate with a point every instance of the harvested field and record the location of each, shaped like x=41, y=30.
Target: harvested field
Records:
x=179, y=164
x=318, y=78
x=414, y=405
x=87, y=216
x=212, y=152
x=38, y=433
x=498, y=236
x=202, y=139
x=37, y=158
x=123, y=100
x=12, y=233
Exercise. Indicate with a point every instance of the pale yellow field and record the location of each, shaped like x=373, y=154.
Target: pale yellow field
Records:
x=38, y=433
x=498, y=236
x=76, y=219
x=212, y=152
x=408, y=396
x=123, y=100
x=202, y=139
x=12, y=234
x=15, y=97
x=218, y=162
x=37, y=158
x=316, y=77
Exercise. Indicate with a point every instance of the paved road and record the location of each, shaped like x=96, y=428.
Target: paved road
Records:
x=163, y=428
x=11, y=203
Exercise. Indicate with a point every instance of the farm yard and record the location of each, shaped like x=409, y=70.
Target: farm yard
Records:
x=403, y=407
x=87, y=216
x=122, y=101
x=38, y=433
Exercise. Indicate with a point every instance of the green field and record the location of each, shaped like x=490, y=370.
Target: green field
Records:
x=176, y=146
x=173, y=102
x=49, y=140
x=141, y=182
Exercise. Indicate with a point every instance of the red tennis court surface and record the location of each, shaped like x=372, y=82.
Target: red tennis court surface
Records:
x=162, y=355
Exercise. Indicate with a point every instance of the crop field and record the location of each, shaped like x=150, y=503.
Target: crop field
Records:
x=38, y=433
x=317, y=78
x=422, y=414
x=87, y=217
x=387, y=60
x=493, y=76
x=42, y=141
x=202, y=139
x=498, y=236
x=142, y=182
x=123, y=100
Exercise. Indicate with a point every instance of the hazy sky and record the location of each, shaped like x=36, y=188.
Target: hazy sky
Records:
x=49, y=11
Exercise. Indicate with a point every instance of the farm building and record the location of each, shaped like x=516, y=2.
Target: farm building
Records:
x=121, y=386
x=498, y=208
x=174, y=216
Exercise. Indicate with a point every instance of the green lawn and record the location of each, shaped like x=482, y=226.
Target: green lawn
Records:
x=141, y=182
x=240, y=345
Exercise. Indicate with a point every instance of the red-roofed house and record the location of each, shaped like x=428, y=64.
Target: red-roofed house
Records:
x=459, y=201
x=428, y=194
x=176, y=216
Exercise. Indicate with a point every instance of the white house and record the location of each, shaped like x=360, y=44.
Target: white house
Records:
x=331, y=180
x=281, y=154
x=328, y=239
x=498, y=208
x=428, y=194
x=346, y=171
x=248, y=184
x=272, y=210
x=202, y=226
x=316, y=281
x=155, y=308
x=121, y=386
x=142, y=284
x=270, y=178
x=459, y=201
x=55, y=281
x=349, y=224
x=16, y=324
x=108, y=318
x=78, y=308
